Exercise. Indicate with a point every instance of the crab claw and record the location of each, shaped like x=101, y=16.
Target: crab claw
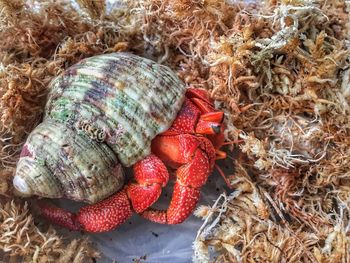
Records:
x=194, y=159
x=191, y=146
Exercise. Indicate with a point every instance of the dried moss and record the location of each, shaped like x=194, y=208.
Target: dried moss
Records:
x=20, y=239
x=281, y=76
x=95, y=9
x=280, y=71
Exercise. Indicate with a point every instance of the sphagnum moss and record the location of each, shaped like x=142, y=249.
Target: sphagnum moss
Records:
x=278, y=68
x=20, y=239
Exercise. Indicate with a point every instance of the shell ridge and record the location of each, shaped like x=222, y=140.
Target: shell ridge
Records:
x=101, y=112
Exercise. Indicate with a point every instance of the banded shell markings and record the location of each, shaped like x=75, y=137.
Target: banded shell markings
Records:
x=101, y=112
x=130, y=99
x=58, y=162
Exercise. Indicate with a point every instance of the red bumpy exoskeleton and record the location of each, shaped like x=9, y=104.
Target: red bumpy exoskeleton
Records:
x=191, y=146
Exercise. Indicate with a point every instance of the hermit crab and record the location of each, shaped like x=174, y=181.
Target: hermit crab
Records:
x=113, y=111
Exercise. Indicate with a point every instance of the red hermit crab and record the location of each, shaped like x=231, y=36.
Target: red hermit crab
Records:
x=113, y=110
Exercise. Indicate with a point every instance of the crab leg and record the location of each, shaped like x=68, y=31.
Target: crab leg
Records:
x=150, y=175
x=194, y=157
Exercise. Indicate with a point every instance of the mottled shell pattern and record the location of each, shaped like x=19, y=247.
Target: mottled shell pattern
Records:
x=101, y=113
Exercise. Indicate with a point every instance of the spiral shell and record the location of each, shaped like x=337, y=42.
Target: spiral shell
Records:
x=101, y=113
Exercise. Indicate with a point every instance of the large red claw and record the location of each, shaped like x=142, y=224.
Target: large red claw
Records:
x=191, y=146
x=182, y=204
x=151, y=175
x=194, y=157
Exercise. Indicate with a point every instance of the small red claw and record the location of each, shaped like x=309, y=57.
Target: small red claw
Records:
x=210, y=123
x=151, y=175
x=208, y=128
x=217, y=116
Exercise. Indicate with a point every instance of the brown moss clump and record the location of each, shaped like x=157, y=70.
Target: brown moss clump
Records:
x=95, y=9
x=20, y=239
x=280, y=70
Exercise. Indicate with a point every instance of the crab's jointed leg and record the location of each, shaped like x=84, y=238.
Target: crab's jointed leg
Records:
x=191, y=146
x=194, y=159
x=150, y=175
